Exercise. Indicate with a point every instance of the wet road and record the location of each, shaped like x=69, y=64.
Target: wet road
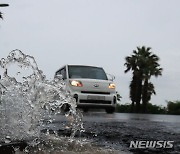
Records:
x=116, y=131
x=105, y=134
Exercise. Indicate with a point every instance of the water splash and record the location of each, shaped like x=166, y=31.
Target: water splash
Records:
x=25, y=103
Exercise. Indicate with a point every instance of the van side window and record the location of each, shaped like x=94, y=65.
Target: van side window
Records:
x=62, y=72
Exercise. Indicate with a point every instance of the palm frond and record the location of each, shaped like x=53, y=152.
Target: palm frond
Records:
x=1, y=15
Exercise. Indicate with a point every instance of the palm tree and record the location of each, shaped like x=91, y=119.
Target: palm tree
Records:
x=135, y=92
x=3, y=5
x=1, y=15
x=143, y=65
x=150, y=91
x=150, y=67
x=136, y=83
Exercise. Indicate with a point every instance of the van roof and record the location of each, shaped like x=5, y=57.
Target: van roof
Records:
x=77, y=65
x=82, y=65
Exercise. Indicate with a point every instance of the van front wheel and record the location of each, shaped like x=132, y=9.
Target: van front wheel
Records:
x=85, y=109
x=110, y=110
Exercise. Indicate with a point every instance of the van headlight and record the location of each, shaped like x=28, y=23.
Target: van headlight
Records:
x=76, y=83
x=112, y=86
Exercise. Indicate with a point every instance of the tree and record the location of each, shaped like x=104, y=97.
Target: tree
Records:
x=150, y=67
x=173, y=107
x=1, y=15
x=3, y=5
x=135, y=92
x=143, y=65
x=132, y=64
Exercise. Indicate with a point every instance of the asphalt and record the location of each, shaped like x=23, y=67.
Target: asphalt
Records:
x=105, y=134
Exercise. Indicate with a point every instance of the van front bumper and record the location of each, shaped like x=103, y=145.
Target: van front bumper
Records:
x=95, y=100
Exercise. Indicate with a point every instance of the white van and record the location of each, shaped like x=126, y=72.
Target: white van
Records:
x=90, y=87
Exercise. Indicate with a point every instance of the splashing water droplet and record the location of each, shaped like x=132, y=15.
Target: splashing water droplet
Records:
x=7, y=139
x=24, y=104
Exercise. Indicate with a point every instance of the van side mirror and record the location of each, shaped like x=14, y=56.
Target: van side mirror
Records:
x=111, y=77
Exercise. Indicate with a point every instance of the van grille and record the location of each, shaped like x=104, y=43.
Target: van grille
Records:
x=95, y=92
x=95, y=101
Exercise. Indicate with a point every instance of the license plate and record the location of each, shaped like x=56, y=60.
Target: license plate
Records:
x=95, y=97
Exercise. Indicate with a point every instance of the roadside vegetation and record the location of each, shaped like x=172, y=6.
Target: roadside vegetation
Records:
x=2, y=5
x=173, y=107
x=143, y=65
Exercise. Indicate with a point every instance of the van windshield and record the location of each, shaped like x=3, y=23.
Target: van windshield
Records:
x=86, y=72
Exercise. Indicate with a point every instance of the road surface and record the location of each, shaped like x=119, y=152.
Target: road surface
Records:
x=116, y=131
x=104, y=134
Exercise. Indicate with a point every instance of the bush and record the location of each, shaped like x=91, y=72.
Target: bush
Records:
x=155, y=109
x=152, y=109
x=123, y=108
x=173, y=107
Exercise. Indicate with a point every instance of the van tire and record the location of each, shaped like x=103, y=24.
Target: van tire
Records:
x=110, y=110
x=85, y=110
x=65, y=107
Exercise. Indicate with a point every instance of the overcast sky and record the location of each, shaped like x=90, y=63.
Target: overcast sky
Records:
x=96, y=32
